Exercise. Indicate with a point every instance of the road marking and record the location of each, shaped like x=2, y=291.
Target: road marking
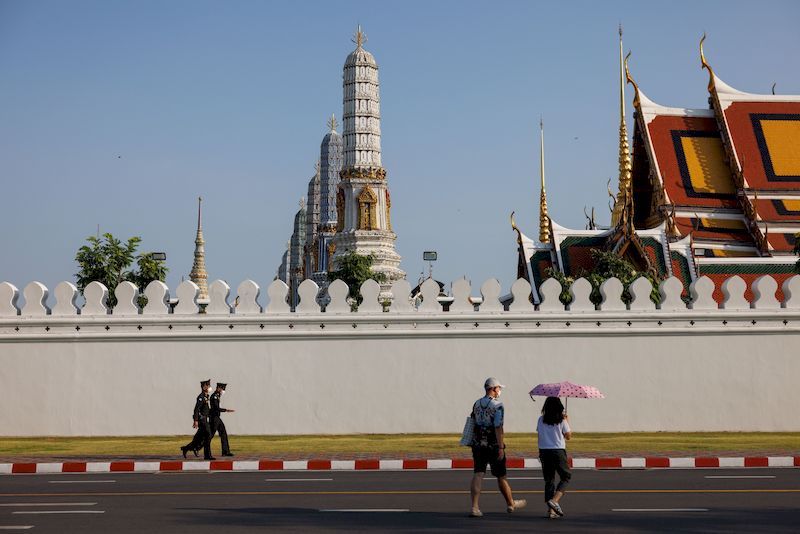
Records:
x=81, y=481
x=525, y=478
x=39, y=512
x=740, y=476
x=368, y=510
x=659, y=509
x=16, y=527
x=385, y=492
x=20, y=504
x=298, y=479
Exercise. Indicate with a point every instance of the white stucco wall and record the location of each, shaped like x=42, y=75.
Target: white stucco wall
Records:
x=681, y=370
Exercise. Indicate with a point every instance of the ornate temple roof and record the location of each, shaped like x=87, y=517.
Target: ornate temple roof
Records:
x=710, y=192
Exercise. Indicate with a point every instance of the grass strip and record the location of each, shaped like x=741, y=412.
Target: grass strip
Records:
x=398, y=445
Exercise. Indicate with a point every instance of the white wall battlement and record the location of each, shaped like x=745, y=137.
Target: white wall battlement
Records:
x=129, y=371
x=248, y=295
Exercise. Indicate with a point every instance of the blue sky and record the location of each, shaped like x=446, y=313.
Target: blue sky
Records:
x=121, y=113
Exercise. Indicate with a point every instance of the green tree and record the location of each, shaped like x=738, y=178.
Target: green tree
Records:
x=797, y=251
x=354, y=270
x=107, y=260
x=606, y=265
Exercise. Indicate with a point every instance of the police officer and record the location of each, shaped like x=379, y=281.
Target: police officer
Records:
x=217, y=426
x=202, y=437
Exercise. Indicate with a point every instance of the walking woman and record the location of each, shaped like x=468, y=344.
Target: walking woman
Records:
x=553, y=430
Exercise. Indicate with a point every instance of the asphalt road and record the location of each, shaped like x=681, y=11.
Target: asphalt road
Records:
x=692, y=500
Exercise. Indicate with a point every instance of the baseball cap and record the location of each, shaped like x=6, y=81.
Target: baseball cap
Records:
x=492, y=382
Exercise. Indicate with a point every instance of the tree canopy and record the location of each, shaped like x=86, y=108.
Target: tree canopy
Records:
x=606, y=265
x=354, y=270
x=107, y=260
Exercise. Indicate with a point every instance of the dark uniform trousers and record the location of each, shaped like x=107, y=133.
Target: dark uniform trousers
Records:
x=202, y=438
x=217, y=426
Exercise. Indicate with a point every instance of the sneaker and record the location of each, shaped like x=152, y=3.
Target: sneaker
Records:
x=521, y=503
x=550, y=514
x=475, y=513
x=554, y=506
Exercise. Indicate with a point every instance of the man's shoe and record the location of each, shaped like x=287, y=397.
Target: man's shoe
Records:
x=475, y=513
x=550, y=514
x=521, y=503
x=554, y=506
x=184, y=450
x=227, y=454
x=209, y=458
x=195, y=451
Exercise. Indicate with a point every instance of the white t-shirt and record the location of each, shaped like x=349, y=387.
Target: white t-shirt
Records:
x=552, y=436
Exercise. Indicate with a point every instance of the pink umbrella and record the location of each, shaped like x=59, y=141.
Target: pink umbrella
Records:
x=566, y=389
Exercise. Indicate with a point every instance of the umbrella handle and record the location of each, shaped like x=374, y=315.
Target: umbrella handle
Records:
x=566, y=403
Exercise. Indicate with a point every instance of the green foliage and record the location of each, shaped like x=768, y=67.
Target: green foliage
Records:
x=354, y=270
x=107, y=259
x=797, y=251
x=606, y=265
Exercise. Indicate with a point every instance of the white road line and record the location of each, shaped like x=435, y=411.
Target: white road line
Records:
x=525, y=478
x=659, y=509
x=81, y=481
x=39, y=512
x=367, y=510
x=16, y=527
x=740, y=476
x=298, y=479
x=21, y=504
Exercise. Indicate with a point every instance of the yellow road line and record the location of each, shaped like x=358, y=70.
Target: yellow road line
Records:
x=379, y=492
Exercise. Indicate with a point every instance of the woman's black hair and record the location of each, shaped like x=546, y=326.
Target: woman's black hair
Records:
x=552, y=411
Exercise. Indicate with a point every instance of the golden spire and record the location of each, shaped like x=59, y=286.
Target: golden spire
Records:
x=332, y=122
x=704, y=64
x=623, y=205
x=199, y=275
x=544, y=218
x=359, y=38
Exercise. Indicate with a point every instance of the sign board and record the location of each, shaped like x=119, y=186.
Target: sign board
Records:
x=429, y=255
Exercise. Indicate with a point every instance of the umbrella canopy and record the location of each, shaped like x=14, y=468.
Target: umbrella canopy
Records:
x=567, y=389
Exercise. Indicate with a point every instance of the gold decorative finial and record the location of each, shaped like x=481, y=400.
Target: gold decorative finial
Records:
x=332, y=122
x=623, y=205
x=704, y=64
x=514, y=227
x=359, y=38
x=630, y=80
x=544, y=218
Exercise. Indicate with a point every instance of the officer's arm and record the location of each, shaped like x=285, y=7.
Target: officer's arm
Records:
x=197, y=406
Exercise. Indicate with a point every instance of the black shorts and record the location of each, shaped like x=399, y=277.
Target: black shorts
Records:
x=481, y=456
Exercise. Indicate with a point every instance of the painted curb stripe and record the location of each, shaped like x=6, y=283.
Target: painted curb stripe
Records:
x=648, y=462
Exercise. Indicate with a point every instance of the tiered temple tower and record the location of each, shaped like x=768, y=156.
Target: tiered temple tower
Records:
x=363, y=203
x=331, y=156
x=198, y=275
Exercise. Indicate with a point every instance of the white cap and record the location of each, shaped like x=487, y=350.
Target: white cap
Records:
x=492, y=382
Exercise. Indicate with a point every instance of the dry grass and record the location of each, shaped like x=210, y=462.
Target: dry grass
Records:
x=398, y=445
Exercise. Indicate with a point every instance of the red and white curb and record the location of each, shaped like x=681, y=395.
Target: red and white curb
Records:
x=648, y=462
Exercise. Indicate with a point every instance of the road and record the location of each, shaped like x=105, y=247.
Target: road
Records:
x=692, y=500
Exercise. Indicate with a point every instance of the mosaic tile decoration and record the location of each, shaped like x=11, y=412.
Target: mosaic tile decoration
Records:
x=787, y=207
x=778, y=139
x=701, y=162
x=690, y=157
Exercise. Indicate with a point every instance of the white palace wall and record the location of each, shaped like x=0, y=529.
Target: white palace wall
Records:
x=415, y=369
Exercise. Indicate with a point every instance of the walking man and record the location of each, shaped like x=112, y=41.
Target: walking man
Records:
x=489, y=447
x=202, y=437
x=217, y=426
